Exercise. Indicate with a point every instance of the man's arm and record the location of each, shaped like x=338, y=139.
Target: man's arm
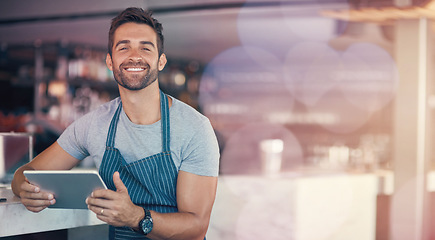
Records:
x=53, y=158
x=195, y=199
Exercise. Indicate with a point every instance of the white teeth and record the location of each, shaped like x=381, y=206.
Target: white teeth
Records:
x=135, y=69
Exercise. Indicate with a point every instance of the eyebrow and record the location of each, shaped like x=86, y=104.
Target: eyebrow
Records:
x=128, y=41
x=147, y=43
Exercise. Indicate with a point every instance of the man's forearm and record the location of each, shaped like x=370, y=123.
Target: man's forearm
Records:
x=180, y=225
x=190, y=222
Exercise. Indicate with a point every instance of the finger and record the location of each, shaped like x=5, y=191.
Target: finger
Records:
x=37, y=203
x=25, y=186
x=103, y=193
x=38, y=195
x=104, y=215
x=98, y=210
x=29, y=190
x=35, y=209
x=120, y=187
x=98, y=202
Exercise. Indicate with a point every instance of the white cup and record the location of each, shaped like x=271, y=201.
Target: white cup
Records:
x=271, y=156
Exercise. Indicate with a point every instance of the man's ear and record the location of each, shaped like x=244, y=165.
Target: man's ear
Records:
x=162, y=62
x=109, y=62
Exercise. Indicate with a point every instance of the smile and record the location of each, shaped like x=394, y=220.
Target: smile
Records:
x=134, y=69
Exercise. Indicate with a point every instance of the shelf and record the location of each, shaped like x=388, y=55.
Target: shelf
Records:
x=81, y=82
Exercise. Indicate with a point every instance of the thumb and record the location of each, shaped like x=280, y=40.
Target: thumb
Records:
x=120, y=187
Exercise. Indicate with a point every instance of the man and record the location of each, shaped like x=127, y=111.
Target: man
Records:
x=158, y=156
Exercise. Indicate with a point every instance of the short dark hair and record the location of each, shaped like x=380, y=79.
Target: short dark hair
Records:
x=136, y=15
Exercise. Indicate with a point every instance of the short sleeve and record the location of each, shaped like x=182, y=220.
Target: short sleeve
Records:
x=201, y=156
x=74, y=139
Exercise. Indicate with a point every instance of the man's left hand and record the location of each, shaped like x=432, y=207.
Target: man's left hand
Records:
x=115, y=208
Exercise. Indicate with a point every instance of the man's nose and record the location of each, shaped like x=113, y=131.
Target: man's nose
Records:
x=135, y=56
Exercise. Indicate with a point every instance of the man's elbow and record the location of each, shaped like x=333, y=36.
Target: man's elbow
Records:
x=203, y=228
x=200, y=227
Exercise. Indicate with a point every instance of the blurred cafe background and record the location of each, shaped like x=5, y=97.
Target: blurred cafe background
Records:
x=324, y=109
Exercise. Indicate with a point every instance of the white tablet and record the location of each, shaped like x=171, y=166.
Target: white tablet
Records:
x=70, y=187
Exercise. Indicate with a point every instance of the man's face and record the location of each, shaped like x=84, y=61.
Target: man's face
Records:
x=135, y=61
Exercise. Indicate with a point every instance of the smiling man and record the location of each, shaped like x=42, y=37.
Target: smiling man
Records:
x=135, y=75
x=158, y=156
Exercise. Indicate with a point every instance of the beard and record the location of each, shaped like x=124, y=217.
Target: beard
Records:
x=137, y=81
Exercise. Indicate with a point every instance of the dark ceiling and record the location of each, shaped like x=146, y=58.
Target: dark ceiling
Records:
x=193, y=29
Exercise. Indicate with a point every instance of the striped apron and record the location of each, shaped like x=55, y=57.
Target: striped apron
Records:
x=151, y=181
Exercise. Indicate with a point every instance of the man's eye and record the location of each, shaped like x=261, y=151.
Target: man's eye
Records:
x=146, y=49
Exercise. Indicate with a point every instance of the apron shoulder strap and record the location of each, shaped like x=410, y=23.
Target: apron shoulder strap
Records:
x=110, y=141
x=164, y=108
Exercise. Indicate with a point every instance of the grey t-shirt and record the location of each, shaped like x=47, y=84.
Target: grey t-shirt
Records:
x=193, y=143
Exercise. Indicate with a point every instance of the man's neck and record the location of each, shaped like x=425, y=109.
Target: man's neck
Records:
x=143, y=106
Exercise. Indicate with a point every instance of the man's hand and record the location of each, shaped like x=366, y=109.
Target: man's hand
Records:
x=115, y=208
x=33, y=199
x=53, y=158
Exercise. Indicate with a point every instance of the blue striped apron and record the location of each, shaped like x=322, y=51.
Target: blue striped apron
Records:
x=151, y=181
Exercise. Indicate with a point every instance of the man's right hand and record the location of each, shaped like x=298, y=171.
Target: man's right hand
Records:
x=52, y=158
x=34, y=199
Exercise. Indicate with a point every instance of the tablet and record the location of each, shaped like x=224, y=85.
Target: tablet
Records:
x=70, y=187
